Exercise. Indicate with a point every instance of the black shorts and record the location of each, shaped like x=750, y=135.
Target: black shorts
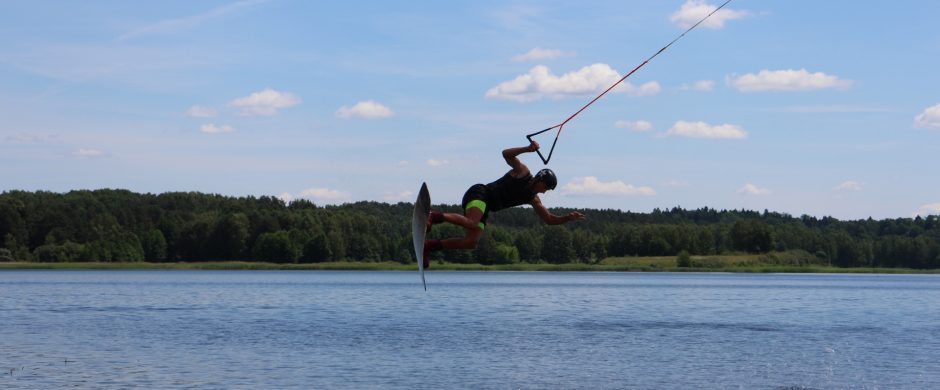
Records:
x=474, y=197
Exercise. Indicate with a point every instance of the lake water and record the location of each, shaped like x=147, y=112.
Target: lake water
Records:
x=300, y=329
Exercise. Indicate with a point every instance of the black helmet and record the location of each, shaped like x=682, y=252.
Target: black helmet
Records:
x=548, y=177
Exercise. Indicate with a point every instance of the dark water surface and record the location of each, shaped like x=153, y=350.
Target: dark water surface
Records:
x=313, y=329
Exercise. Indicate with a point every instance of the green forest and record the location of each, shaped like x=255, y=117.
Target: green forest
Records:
x=122, y=226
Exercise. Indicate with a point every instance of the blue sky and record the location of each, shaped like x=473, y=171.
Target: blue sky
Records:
x=803, y=107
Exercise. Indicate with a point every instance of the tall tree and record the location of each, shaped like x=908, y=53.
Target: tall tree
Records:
x=556, y=245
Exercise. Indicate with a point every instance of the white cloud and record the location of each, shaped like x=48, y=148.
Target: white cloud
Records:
x=437, y=163
x=929, y=119
x=694, y=10
x=540, y=82
x=928, y=209
x=325, y=194
x=286, y=197
x=30, y=138
x=201, y=112
x=88, y=153
x=849, y=185
x=188, y=22
x=542, y=54
x=704, y=130
x=701, y=85
x=211, y=128
x=405, y=196
x=750, y=189
x=368, y=109
x=265, y=103
x=591, y=186
x=836, y=108
x=637, y=126
x=786, y=80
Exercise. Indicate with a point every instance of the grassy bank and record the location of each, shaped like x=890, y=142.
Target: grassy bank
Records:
x=212, y=265
x=741, y=263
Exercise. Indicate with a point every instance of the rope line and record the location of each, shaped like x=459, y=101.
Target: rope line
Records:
x=561, y=126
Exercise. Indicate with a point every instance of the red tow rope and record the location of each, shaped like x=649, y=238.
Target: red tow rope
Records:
x=561, y=125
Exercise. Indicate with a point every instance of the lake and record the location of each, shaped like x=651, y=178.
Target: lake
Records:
x=503, y=330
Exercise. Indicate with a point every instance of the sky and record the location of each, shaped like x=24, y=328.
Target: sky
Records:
x=822, y=108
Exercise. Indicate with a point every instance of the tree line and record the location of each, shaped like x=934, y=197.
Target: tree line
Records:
x=118, y=225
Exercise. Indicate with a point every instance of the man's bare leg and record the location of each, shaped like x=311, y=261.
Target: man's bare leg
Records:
x=471, y=224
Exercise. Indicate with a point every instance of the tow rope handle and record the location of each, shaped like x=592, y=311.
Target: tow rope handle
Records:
x=550, y=151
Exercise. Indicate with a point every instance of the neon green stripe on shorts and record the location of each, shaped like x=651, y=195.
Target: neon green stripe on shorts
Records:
x=480, y=205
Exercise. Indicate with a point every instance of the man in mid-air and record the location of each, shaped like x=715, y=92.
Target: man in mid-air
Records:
x=516, y=187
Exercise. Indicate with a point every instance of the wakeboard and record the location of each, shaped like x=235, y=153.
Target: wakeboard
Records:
x=419, y=225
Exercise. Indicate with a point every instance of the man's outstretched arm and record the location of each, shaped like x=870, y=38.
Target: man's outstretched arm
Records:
x=553, y=219
x=511, y=156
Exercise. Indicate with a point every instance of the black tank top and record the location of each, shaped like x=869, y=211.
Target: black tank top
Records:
x=508, y=192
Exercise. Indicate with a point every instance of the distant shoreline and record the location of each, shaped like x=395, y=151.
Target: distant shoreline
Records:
x=395, y=266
